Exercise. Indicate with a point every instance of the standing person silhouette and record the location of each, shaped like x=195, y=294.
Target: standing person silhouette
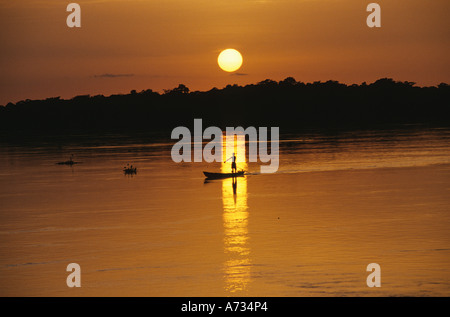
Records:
x=233, y=163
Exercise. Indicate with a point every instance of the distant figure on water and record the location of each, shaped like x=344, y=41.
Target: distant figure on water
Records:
x=233, y=163
x=69, y=162
x=129, y=169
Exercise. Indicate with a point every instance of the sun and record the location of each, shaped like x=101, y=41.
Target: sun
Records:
x=230, y=60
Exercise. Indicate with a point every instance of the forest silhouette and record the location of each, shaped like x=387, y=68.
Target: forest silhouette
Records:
x=288, y=104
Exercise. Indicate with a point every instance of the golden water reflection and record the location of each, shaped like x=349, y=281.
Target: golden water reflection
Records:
x=235, y=220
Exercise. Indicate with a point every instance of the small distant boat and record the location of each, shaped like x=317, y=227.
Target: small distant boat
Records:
x=69, y=162
x=130, y=170
x=209, y=175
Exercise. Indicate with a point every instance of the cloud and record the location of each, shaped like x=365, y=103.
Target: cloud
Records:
x=239, y=74
x=107, y=75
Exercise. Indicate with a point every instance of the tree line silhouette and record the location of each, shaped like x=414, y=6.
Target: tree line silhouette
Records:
x=289, y=104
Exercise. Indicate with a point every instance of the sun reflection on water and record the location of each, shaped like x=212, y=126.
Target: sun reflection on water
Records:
x=235, y=220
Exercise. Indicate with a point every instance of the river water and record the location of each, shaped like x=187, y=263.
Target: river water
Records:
x=337, y=203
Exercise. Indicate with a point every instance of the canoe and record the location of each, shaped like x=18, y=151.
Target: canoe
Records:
x=67, y=163
x=130, y=170
x=223, y=175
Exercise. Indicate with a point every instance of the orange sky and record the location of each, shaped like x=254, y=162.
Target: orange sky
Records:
x=158, y=44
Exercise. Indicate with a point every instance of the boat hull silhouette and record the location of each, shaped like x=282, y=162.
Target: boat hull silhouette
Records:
x=209, y=175
x=67, y=163
x=130, y=170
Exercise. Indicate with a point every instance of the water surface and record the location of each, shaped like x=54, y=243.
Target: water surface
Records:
x=337, y=203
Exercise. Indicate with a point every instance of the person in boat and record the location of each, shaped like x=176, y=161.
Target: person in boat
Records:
x=233, y=163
